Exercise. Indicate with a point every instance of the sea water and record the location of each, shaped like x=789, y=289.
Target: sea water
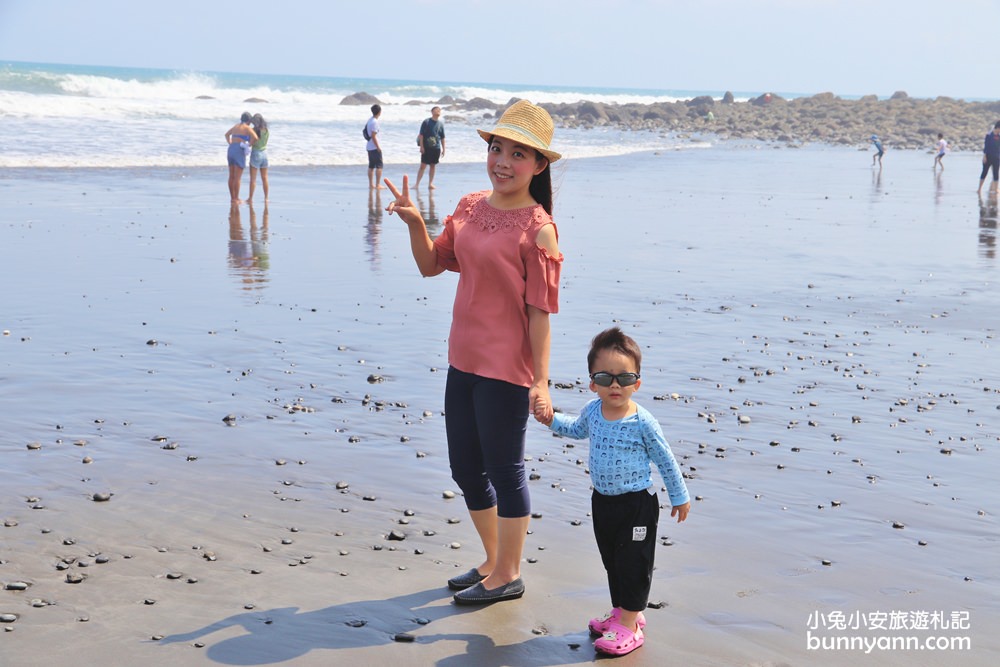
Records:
x=85, y=116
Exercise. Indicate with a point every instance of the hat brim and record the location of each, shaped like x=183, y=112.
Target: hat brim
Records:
x=520, y=138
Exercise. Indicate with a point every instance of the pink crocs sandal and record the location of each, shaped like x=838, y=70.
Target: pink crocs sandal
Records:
x=598, y=626
x=619, y=640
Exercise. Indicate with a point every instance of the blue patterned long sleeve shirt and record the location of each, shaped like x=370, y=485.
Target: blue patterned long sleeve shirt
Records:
x=621, y=451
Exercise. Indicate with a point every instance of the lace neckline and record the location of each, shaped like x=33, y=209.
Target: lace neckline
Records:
x=492, y=219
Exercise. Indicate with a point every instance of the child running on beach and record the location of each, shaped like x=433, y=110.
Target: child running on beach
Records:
x=942, y=147
x=879, y=151
x=624, y=439
x=504, y=245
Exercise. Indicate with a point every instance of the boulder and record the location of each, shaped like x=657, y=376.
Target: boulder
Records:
x=593, y=110
x=900, y=95
x=728, y=98
x=480, y=103
x=360, y=98
x=824, y=97
x=255, y=100
x=701, y=101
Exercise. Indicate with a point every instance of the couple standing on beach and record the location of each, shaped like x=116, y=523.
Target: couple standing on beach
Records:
x=430, y=140
x=504, y=245
x=247, y=139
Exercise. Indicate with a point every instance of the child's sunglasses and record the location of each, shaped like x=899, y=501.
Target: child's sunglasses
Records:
x=603, y=379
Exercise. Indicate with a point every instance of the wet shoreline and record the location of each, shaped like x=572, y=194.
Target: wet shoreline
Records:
x=849, y=314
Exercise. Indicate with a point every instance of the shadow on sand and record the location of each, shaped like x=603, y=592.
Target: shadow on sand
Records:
x=282, y=635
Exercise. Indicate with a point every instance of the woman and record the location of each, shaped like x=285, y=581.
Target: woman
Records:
x=238, y=137
x=258, y=156
x=503, y=243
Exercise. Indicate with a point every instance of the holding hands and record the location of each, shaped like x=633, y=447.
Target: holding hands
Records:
x=541, y=406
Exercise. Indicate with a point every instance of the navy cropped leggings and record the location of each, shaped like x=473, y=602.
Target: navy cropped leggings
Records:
x=486, y=421
x=990, y=164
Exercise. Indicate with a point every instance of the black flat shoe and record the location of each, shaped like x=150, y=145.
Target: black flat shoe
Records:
x=463, y=581
x=479, y=595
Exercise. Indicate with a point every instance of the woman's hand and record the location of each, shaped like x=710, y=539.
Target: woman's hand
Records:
x=402, y=204
x=541, y=405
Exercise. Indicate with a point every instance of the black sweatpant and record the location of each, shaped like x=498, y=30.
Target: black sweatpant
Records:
x=625, y=529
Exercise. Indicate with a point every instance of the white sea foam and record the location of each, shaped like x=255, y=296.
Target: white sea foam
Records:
x=52, y=116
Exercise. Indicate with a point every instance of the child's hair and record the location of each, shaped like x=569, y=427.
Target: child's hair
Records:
x=376, y=109
x=614, y=339
x=245, y=117
x=259, y=123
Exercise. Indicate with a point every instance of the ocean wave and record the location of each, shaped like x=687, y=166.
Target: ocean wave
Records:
x=69, y=116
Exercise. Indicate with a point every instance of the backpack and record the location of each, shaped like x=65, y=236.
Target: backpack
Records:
x=364, y=133
x=430, y=138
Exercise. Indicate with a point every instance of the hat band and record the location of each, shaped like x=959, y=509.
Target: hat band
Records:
x=528, y=133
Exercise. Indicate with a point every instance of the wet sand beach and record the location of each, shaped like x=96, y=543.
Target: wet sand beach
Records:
x=224, y=444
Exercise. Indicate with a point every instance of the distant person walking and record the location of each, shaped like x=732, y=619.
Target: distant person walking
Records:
x=879, y=151
x=431, y=142
x=258, y=156
x=991, y=158
x=238, y=137
x=374, y=146
x=942, y=147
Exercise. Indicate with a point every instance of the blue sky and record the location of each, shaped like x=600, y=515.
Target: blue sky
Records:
x=849, y=47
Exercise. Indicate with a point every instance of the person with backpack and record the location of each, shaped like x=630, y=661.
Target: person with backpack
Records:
x=370, y=132
x=431, y=143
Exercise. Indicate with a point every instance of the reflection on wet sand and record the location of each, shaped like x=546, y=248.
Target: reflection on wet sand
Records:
x=249, y=258
x=428, y=211
x=374, y=228
x=988, y=226
x=876, y=183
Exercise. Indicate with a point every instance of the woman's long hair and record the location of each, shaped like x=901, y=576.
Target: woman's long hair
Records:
x=540, y=188
x=259, y=123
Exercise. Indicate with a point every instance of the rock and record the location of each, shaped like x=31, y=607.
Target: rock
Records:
x=900, y=95
x=701, y=101
x=593, y=110
x=256, y=100
x=480, y=104
x=728, y=98
x=359, y=99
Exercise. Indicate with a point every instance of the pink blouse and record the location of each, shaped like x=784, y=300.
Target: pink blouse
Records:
x=502, y=272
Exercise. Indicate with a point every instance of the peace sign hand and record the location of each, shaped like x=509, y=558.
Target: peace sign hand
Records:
x=402, y=204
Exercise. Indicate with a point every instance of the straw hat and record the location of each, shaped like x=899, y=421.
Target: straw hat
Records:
x=526, y=124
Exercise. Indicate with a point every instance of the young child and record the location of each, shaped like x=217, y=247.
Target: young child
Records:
x=942, y=147
x=624, y=439
x=879, y=151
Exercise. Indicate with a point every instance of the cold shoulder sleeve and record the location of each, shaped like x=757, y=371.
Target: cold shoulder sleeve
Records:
x=542, y=272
